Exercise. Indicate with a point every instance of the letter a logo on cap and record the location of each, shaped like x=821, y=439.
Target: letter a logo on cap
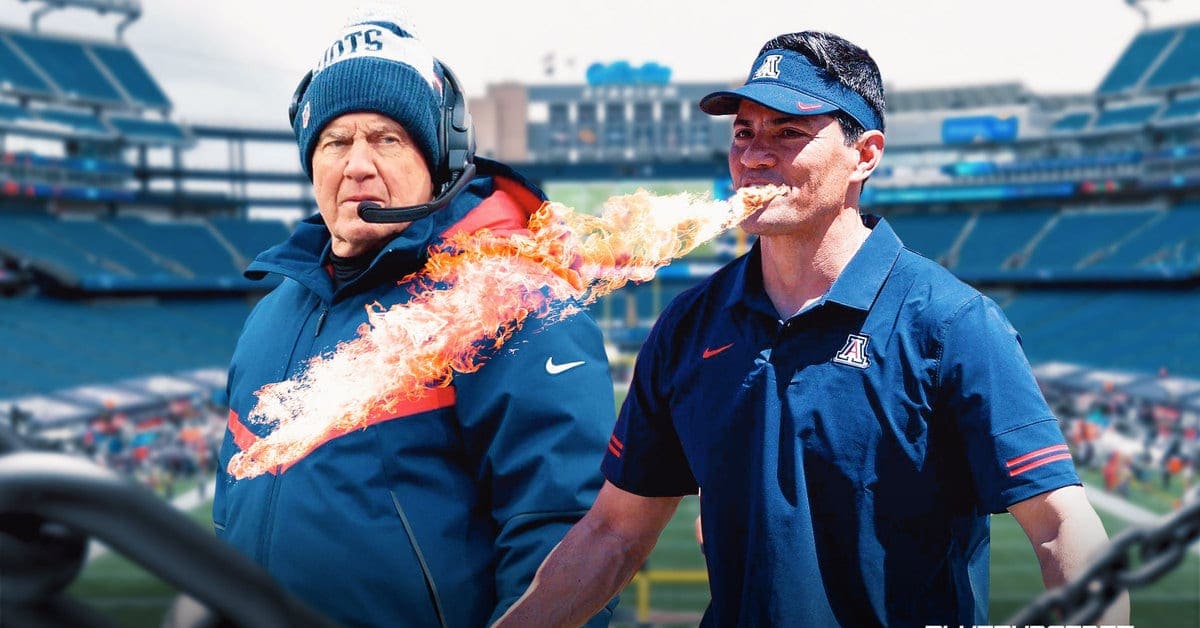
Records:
x=769, y=68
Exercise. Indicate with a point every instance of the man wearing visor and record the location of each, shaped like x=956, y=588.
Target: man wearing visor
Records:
x=850, y=410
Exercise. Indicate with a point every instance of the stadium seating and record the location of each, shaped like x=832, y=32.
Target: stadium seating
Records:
x=129, y=254
x=931, y=235
x=1069, y=241
x=1138, y=330
x=1022, y=214
x=77, y=122
x=1126, y=116
x=1164, y=243
x=1072, y=122
x=148, y=131
x=1141, y=54
x=996, y=238
x=127, y=70
x=49, y=344
x=1179, y=66
x=69, y=66
x=15, y=73
x=1181, y=109
x=249, y=237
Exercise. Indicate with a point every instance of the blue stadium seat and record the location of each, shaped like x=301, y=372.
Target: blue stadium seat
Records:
x=132, y=75
x=32, y=239
x=58, y=344
x=1127, y=72
x=70, y=67
x=1181, y=109
x=1163, y=243
x=1072, y=122
x=13, y=114
x=116, y=253
x=189, y=249
x=996, y=237
x=1179, y=67
x=1127, y=116
x=16, y=75
x=250, y=237
x=148, y=131
x=79, y=122
x=1137, y=330
x=1078, y=235
x=931, y=235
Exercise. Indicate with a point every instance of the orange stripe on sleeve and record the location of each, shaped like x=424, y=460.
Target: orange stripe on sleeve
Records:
x=1034, y=454
x=1033, y=465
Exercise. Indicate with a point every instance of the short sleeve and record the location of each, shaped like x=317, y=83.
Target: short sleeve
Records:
x=1015, y=448
x=644, y=455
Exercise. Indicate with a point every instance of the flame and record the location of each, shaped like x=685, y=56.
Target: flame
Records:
x=475, y=292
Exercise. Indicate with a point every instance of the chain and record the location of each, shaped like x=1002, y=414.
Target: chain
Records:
x=1158, y=549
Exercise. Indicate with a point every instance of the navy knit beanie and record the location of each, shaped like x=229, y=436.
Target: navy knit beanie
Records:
x=374, y=65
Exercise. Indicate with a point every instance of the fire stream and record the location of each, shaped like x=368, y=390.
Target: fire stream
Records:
x=479, y=289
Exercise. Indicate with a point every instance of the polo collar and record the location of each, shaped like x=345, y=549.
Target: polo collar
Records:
x=856, y=287
x=863, y=277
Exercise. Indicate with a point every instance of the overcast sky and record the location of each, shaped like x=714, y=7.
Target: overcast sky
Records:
x=238, y=61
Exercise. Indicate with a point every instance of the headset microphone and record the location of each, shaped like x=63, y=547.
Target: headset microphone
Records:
x=456, y=167
x=373, y=212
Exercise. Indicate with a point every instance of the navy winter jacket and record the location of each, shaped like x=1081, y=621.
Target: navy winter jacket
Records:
x=441, y=516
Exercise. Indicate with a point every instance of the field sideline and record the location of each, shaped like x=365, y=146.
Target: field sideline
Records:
x=136, y=599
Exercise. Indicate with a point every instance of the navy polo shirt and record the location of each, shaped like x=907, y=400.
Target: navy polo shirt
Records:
x=849, y=456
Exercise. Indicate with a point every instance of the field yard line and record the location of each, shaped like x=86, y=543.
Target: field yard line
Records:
x=1132, y=513
x=184, y=501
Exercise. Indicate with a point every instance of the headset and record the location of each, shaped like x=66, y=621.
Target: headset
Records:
x=456, y=139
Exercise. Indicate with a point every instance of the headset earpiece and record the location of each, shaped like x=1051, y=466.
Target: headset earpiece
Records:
x=455, y=132
x=297, y=96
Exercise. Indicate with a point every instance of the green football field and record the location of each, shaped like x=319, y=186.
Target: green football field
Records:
x=136, y=599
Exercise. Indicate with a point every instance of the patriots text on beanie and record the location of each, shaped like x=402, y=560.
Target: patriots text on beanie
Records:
x=375, y=65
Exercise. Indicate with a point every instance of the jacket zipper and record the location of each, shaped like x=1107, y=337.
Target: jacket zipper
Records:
x=269, y=522
x=412, y=539
x=321, y=321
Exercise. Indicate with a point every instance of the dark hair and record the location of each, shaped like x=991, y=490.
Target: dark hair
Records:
x=846, y=62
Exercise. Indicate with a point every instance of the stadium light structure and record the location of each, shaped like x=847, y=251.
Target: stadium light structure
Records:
x=1140, y=7
x=131, y=9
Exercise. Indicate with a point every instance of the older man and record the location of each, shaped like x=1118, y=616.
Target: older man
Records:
x=440, y=511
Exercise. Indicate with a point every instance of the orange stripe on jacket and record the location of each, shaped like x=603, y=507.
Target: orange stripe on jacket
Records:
x=433, y=399
x=241, y=436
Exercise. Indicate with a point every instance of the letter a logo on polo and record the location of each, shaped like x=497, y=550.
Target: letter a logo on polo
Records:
x=769, y=68
x=854, y=352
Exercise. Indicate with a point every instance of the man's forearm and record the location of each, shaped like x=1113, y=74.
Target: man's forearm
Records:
x=1065, y=558
x=584, y=571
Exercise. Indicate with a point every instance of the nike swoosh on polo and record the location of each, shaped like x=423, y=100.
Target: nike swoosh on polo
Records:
x=555, y=369
x=708, y=353
x=803, y=106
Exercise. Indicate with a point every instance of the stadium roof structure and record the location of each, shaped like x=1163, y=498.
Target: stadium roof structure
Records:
x=965, y=97
x=130, y=9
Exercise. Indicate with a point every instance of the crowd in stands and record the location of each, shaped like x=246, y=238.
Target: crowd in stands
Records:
x=1134, y=445
x=165, y=450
